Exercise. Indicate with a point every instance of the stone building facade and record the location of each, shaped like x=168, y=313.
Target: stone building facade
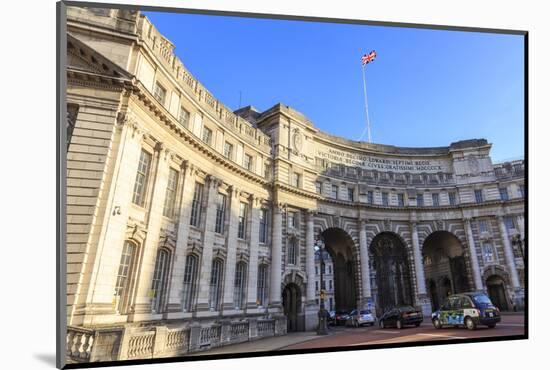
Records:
x=191, y=226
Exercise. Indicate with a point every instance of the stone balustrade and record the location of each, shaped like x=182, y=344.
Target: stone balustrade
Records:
x=132, y=343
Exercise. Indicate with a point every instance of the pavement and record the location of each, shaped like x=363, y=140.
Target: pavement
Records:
x=511, y=324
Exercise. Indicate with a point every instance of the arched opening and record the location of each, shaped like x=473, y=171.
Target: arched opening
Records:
x=292, y=305
x=497, y=292
x=393, y=276
x=444, y=266
x=340, y=247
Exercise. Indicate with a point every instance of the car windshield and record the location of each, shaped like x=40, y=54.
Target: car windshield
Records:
x=482, y=299
x=365, y=312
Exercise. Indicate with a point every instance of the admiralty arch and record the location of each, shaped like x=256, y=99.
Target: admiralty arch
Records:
x=191, y=226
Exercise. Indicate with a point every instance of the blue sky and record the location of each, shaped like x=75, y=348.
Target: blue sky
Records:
x=425, y=88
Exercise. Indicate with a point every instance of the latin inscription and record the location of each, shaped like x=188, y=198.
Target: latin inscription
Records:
x=381, y=164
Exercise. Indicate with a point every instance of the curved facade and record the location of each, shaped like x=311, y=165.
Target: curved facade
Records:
x=184, y=214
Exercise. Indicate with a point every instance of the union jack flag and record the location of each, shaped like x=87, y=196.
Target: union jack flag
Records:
x=367, y=58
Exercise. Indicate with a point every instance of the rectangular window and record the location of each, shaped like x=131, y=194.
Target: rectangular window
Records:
x=215, y=285
x=435, y=199
x=509, y=222
x=267, y=171
x=483, y=226
x=478, y=195
x=316, y=285
x=316, y=270
x=189, y=282
x=401, y=199
x=207, y=135
x=242, y=220
x=292, y=220
x=370, y=197
x=196, y=206
x=262, y=285
x=318, y=187
x=228, y=150
x=292, y=257
x=170, y=198
x=503, y=193
x=160, y=279
x=123, y=275
x=248, y=163
x=420, y=199
x=488, y=253
x=330, y=284
x=142, y=176
x=296, y=179
x=160, y=93
x=452, y=198
x=334, y=191
x=240, y=284
x=220, y=213
x=184, y=117
x=351, y=193
x=263, y=225
x=385, y=199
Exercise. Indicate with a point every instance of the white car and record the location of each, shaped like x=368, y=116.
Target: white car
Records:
x=360, y=317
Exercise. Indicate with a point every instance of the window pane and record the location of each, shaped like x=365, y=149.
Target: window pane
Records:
x=242, y=221
x=435, y=199
x=189, y=281
x=140, y=185
x=184, y=117
x=215, y=284
x=220, y=213
x=196, y=205
x=170, y=198
x=123, y=275
x=159, y=280
x=239, y=291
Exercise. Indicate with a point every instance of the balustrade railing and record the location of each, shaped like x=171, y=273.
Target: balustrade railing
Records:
x=210, y=335
x=266, y=328
x=79, y=343
x=141, y=345
x=239, y=330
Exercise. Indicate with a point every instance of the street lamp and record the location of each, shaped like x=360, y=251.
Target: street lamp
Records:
x=322, y=315
x=518, y=241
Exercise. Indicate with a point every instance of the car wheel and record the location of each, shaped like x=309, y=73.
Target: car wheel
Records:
x=357, y=324
x=470, y=324
x=417, y=324
x=492, y=326
x=399, y=324
x=437, y=323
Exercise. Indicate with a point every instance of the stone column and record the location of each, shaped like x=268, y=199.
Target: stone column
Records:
x=421, y=297
x=207, y=247
x=157, y=191
x=176, y=285
x=231, y=260
x=365, y=269
x=252, y=291
x=509, y=254
x=276, y=255
x=311, y=307
x=476, y=271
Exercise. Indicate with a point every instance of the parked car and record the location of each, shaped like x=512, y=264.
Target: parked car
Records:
x=360, y=317
x=400, y=316
x=331, y=318
x=340, y=317
x=466, y=309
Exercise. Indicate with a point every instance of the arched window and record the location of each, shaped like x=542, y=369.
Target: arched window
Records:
x=292, y=252
x=189, y=282
x=215, y=284
x=160, y=280
x=239, y=297
x=124, y=275
x=262, y=285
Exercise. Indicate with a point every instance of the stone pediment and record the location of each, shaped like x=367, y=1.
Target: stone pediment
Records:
x=82, y=58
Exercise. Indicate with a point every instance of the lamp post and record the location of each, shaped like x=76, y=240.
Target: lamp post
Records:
x=322, y=315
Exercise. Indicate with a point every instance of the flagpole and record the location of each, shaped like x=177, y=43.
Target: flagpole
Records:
x=366, y=106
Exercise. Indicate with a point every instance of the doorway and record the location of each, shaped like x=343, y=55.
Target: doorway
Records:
x=292, y=304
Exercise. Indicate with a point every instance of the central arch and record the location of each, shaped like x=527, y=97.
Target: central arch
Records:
x=444, y=266
x=341, y=249
x=393, y=274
